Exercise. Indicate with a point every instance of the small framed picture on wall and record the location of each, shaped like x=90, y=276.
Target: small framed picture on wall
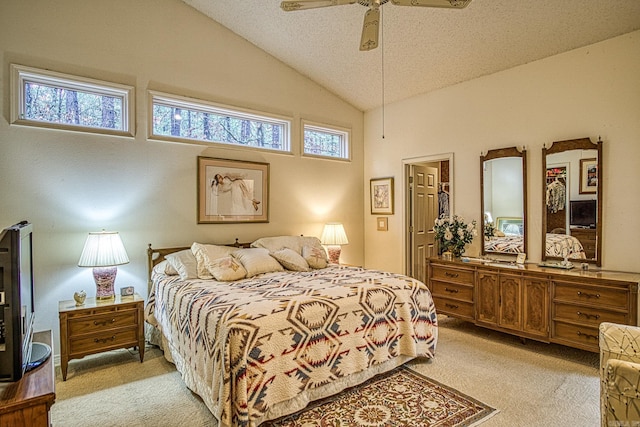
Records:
x=382, y=196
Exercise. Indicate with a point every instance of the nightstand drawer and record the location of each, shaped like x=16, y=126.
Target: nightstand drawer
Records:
x=103, y=341
x=93, y=324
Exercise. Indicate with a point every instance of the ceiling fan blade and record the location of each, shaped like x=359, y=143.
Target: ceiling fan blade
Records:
x=453, y=4
x=370, y=29
x=289, y=6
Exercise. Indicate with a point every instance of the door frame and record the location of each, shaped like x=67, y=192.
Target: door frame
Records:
x=406, y=165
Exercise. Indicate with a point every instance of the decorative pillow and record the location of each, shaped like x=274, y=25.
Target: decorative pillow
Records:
x=206, y=254
x=227, y=269
x=168, y=269
x=184, y=262
x=273, y=244
x=257, y=260
x=291, y=260
x=315, y=257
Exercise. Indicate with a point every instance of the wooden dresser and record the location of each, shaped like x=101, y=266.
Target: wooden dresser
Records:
x=26, y=403
x=588, y=240
x=541, y=303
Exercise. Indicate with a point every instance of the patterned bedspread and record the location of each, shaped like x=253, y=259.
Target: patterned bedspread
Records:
x=249, y=346
x=506, y=244
x=560, y=244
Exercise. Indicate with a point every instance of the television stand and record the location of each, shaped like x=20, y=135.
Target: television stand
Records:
x=27, y=402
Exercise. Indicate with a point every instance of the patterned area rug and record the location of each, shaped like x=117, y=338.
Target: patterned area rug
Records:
x=401, y=397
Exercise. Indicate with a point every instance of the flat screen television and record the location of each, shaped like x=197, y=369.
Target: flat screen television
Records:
x=583, y=213
x=18, y=353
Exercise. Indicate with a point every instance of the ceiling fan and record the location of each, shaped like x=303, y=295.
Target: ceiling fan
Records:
x=370, y=30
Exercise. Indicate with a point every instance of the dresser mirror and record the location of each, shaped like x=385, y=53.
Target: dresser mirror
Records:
x=503, y=202
x=572, y=201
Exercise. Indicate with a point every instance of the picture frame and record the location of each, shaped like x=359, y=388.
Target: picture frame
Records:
x=520, y=258
x=383, y=224
x=588, y=176
x=510, y=226
x=381, y=195
x=127, y=291
x=232, y=191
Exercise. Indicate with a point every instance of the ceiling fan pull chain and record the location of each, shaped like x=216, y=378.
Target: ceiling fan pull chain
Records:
x=382, y=56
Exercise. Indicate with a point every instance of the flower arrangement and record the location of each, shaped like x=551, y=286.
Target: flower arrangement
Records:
x=489, y=229
x=453, y=233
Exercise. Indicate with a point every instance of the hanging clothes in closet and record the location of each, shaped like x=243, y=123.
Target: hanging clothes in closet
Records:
x=443, y=200
x=556, y=196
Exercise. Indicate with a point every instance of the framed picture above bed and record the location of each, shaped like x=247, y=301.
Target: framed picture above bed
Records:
x=382, y=196
x=232, y=191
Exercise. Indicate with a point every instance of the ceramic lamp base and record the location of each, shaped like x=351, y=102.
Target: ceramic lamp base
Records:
x=105, y=277
x=334, y=254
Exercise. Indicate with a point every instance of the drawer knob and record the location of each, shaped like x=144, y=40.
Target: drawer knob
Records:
x=446, y=273
x=453, y=291
x=587, y=295
x=588, y=316
x=588, y=336
x=104, y=322
x=451, y=305
x=104, y=340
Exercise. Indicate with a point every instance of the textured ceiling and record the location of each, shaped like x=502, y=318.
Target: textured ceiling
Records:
x=424, y=48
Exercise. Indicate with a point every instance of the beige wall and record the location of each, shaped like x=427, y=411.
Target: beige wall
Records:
x=589, y=92
x=68, y=183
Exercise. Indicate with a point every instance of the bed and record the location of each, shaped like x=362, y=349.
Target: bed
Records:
x=559, y=245
x=264, y=346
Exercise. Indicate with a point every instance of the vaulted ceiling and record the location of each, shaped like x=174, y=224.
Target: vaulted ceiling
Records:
x=421, y=49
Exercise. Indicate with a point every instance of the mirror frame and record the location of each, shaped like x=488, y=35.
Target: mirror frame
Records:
x=496, y=154
x=559, y=147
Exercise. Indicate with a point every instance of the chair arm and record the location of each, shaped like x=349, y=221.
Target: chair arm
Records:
x=622, y=378
x=619, y=342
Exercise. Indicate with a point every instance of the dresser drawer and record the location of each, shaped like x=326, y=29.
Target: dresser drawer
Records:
x=587, y=315
x=452, y=275
x=102, y=341
x=452, y=290
x=454, y=308
x=98, y=323
x=599, y=296
x=582, y=335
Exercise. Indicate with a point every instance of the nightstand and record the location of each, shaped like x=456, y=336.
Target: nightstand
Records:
x=98, y=326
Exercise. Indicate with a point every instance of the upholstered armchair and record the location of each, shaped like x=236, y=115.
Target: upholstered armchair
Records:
x=619, y=375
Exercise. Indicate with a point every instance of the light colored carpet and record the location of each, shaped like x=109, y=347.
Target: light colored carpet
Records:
x=531, y=384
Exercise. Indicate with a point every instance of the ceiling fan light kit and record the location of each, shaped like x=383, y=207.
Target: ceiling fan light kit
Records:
x=371, y=24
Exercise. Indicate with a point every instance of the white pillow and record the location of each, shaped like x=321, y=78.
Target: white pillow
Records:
x=206, y=254
x=168, y=268
x=184, y=262
x=315, y=257
x=273, y=244
x=257, y=260
x=227, y=269
x=291, y=260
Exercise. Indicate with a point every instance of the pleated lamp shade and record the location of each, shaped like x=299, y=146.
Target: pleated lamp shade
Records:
x=333, y=236
x=103, y=251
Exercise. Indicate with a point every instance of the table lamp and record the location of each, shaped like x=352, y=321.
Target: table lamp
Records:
x=103, y=251
x=333, y=236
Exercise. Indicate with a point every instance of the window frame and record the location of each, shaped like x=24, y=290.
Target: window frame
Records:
x=21, y=73
x=205, y=106
x=323, y=127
